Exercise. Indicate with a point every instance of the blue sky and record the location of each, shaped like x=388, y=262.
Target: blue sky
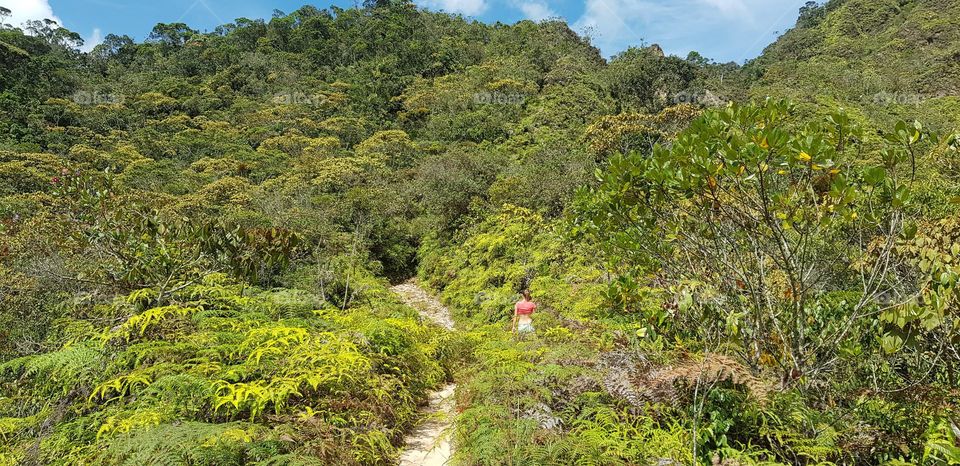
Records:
x=724, y=30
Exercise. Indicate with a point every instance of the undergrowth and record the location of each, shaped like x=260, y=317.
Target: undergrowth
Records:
x=224, y=374
x=598, y=387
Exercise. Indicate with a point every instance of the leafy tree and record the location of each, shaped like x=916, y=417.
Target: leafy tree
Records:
x=642, y=80
x=753, y=224
x=4, y=14
x=452, y=183
x=54, y=34
x=546, y=177
x=628, y=132
x=119, y=48
x=171, y=35
x=393, y=147
x=810, y=14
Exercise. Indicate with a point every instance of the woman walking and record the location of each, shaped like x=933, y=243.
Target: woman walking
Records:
x=522, y=312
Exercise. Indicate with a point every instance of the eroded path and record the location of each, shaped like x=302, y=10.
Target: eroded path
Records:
x=419, y=299
x=429, y=443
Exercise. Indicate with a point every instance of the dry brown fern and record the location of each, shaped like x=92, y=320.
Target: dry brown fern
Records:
x=618, y=367
x=671, y=384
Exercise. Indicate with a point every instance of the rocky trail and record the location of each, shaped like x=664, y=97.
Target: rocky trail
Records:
x=429, y=444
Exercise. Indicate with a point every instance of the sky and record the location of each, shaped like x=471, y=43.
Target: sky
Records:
x=723, y=30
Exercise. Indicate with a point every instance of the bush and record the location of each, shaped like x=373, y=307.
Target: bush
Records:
x=225, y=374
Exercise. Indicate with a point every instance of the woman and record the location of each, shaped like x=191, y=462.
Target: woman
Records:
x=522, y=312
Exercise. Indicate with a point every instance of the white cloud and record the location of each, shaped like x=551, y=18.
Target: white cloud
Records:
x=729, y=7
x=96, y=37
x=614, y=23
x=466, y=7
x=24, y=10
x=720, y=29
x=536, y=10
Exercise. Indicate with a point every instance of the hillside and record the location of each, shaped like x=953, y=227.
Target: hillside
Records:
x=890, y=59
x=203, y=237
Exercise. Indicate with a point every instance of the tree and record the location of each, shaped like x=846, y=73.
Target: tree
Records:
x=393, y=147
x=546, y=177
x=637, y=131
x=641, y=80
x=4, y=14
x=386, y=3
x=697, y=59
x=450, y=184
x=171, y=35
x=245, y=32
x=810, y=14
x=54, y=34
x=121, y=48
x=775, y=241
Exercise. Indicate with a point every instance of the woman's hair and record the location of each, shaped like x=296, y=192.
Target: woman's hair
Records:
x=526, y=294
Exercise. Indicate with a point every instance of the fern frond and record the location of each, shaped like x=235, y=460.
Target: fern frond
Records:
x=641, y=383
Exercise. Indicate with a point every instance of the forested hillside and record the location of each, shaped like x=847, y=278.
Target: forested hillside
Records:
x=735, y=265
x=889, y=59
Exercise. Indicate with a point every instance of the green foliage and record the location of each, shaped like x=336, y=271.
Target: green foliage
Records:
x=454, y=182
x=508, y=251
x=893, y=60
x=761, y=217
x=168, y=382
x=193, y=231
x=641, y=79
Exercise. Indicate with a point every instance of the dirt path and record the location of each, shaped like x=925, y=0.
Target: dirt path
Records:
x=429, y=443
x=429, y=307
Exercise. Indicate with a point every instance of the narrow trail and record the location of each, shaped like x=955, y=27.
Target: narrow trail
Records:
x=428, y=444
x=419, y=299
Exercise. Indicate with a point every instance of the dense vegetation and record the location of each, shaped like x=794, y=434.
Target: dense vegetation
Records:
x=886, y=60
x=198, y=231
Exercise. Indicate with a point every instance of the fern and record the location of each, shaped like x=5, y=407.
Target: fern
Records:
x=142, y=297
x=11, y=425
x=140, y=323
x=146, y=391
x=182, y=443
x=256, y=396
x=120, y=386
x=274, y=340
x=15, y=367
x=154, y=351
x=63, y=370
x=291, y=459
x=9, y=459
x=126, y=422
x=667, y=384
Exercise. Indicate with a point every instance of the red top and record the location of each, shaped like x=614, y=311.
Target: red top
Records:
x=525, y=308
